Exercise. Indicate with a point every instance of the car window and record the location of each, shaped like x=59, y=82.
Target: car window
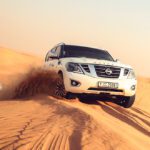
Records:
x=58, y=49
x=80, y=51
x=53, y=50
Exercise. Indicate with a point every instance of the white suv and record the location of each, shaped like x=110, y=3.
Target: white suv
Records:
x=85, y=71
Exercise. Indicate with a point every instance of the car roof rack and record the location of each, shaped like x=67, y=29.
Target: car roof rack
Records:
x=60, y=44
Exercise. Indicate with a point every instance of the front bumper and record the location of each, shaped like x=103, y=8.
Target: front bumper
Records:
x=89, y=85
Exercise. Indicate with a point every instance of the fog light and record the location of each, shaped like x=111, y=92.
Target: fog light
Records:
x=75, y=83
x=133, y=87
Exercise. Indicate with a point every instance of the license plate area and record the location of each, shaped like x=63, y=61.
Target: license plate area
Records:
x=110, y=85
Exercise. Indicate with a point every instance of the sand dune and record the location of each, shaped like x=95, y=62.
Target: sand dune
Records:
x=14, y=64
x=44, y=122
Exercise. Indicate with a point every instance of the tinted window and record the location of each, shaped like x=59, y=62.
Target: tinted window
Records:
x=78, y=51
x=53, y=50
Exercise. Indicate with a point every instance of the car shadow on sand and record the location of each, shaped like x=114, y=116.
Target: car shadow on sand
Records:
x=133, y=116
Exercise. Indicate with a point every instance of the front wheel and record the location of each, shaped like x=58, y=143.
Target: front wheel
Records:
x=126, y=102
x=60, y=90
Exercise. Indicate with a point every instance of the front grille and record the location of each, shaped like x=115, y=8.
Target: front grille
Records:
x=86, y=68
x=101, y=71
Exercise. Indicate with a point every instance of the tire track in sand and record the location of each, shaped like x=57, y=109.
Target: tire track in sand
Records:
x=41, y=124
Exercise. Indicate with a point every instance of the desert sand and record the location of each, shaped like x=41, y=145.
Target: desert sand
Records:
x=44, y=122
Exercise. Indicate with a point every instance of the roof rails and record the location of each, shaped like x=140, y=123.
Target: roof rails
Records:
x=60, y=44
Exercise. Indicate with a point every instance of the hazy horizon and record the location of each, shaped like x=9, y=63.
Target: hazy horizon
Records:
x=121, y=27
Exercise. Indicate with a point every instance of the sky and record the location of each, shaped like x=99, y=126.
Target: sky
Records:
x=120, y=26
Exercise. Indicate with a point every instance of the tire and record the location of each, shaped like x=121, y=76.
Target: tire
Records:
x=126, y=102
x=60, y=89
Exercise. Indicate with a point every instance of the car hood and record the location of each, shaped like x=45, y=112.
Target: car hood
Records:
x=95, y=61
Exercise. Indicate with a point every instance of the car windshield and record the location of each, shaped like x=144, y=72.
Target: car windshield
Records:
x=79, y=51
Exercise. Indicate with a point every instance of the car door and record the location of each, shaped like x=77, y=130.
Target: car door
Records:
x=56, y=61
x=49, y=59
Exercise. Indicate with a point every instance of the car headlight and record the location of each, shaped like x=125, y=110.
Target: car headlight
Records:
x=126, y=71
x=131, y=74
x=74, y=67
